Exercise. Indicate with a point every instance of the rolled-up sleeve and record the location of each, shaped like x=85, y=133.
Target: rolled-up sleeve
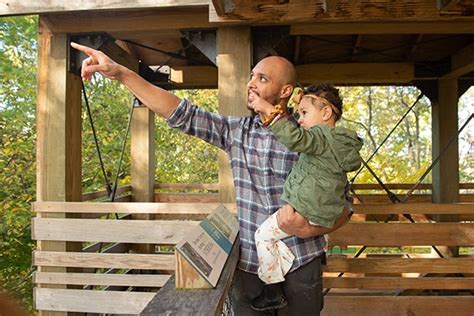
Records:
x=210, y=127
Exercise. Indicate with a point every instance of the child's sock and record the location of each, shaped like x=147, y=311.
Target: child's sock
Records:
x=271, y=297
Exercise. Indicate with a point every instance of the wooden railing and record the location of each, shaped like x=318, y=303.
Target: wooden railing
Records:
x=368, y=285
x=181, y=192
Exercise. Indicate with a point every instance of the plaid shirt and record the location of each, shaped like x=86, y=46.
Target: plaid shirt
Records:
x=260, y=165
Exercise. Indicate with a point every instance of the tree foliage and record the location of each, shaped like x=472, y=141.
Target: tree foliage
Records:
x=17, y=152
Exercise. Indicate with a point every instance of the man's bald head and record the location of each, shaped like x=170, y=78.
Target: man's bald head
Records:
x=286, y=70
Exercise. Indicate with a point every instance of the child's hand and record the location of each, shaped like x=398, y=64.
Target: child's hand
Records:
x=261, y=106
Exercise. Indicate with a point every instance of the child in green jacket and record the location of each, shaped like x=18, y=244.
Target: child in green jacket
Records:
x=315, y=185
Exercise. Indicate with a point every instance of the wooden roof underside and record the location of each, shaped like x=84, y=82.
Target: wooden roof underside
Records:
x=395, y=41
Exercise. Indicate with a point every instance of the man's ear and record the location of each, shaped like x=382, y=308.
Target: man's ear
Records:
x=286, y=91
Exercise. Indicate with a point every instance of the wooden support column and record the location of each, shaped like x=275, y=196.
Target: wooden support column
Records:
x=234, y=62
x=142, y=162
x=446, y=172
x=58, y=147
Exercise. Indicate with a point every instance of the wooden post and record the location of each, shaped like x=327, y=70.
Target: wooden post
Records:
x=446, y=172
x=58, y=147
x=234, y=62
x=142, y=161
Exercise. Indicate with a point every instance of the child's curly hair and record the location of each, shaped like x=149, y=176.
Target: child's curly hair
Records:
x=329, y=92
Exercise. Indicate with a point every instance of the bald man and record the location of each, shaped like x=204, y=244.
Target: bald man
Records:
x=259, y=164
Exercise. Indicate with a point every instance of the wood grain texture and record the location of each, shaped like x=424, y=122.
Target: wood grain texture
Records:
x=400, y=265
x=88, y=301
x=170, y=301
x=109, y=260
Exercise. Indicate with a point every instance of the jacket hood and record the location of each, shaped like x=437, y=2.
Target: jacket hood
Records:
x=345, y=145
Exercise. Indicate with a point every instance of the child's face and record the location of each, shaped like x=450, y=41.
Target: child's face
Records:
x=309, y=114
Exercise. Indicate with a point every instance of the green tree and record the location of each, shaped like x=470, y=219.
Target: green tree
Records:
x=18, y=47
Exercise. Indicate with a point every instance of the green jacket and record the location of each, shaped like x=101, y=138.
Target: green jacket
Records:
x=315, y=185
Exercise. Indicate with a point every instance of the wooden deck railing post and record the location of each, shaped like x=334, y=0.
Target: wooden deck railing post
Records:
x=58, y=145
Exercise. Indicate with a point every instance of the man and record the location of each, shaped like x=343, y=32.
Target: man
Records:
x=259, y=164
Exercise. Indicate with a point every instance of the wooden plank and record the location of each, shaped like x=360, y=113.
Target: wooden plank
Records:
x=400, y=265
x=360, y=73
x=190, y=186
x=187, y=197
x=195, y=77
x=148, y=20
x=403, y=234
x=99, y=194
x=132, y=208
x=399, y=283
x=122, y=231
x=170, y=301
x=136, y=280
x=415, y=208
x=458, y=26
x=21, y=7
x=398, y=305
x=88, y=301
x=101, y=260
x=234, y=61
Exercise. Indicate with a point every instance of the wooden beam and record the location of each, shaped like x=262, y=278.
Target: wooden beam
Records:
x=356, y=73
x=330, y=6
x=150, y=20
x=461, y=63
x=444, y=127
x=343, y=73
x=22, y=7
x=459, y=26
x=196, y=77
x=264, y=11
x=234, y=61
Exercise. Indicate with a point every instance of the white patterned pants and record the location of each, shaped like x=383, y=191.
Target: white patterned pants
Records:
x=274, y=257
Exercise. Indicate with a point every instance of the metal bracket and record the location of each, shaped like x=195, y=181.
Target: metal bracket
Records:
x=205, y=41
x=75, y=57
x=229, y=6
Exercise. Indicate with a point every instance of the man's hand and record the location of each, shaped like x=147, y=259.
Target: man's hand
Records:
x=97, y=62
x=293, y=223
x=259, y=105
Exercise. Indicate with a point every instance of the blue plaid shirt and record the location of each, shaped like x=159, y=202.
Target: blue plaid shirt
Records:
x=260, y=165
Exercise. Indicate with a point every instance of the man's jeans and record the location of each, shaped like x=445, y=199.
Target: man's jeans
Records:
x=303, y=289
